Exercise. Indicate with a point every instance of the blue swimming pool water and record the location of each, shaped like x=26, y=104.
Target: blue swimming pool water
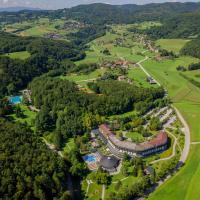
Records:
x=15, y=99
x=89, y=158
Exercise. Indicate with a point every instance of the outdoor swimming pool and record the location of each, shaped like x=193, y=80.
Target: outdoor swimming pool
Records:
x=15, y=99
x=89, y=158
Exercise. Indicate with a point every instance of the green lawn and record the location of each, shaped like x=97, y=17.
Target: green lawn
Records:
x=135, y=136
x=125, y=183
x=18, y=55
x=94, y=192
x=174, y=45
x=29, y=116
x=195, y=74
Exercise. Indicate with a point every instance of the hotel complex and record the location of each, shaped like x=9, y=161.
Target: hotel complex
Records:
x=118, y=147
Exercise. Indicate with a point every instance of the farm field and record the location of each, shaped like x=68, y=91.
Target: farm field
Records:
x=186, y=98
x=39, y=28
x=174, y=45
x=185, y=184
x=147, y=25
x=23, y=55
x=195, y=74
x=178, y=88
x=120, y=47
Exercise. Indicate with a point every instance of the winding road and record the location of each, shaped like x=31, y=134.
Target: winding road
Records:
x=173, y=152
x=186, y=148
x=186, y=130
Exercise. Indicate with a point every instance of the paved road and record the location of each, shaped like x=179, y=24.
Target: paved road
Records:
x=144, y=70
x=103, y=192
x=186, y=148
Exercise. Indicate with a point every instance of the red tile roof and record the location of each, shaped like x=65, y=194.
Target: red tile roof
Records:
x=159, y=140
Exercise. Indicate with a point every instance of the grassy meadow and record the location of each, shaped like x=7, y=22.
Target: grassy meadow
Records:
x=174, y=45
x=23, y=55
x=186, y=98
x=39, y=28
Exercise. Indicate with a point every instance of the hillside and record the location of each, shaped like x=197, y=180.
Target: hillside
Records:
x=17, y=9
x=100, y=101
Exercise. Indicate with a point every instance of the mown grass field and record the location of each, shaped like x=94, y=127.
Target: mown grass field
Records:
x=165, y=72
x=174, y=45
x=137, y=75
x=185, y=184
x=23, y=55
x=186, y=97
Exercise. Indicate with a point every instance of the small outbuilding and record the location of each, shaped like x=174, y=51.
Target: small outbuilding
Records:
x=109, y=163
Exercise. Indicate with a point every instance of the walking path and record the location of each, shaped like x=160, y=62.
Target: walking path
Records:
x=121, y=180
x=194, y=143
x=69, y=179
x=186, y=148
x=103, y=192
x=87, y=80
x=173, y=153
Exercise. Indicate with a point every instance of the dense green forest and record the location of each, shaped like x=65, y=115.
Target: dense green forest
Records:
x=192, y=48
x=66, y=111
x=38, y=174
x=184, y=25
x=46, y=55
x=70, y=112
x=106, y=14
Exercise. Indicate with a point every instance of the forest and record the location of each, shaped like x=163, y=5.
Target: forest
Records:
x=38, y=174
x=69, y=112
x=66, y=111
x=46, y=55
x=192, y=48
